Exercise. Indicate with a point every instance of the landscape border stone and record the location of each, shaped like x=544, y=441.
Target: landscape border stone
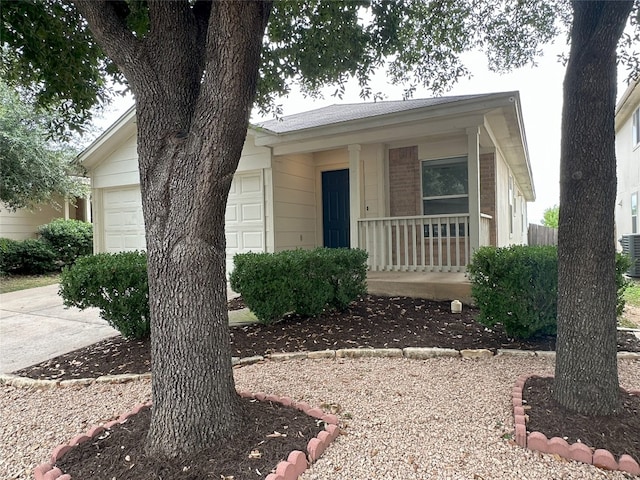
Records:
x=415, y=353
x=580, y=452
x=296, y=464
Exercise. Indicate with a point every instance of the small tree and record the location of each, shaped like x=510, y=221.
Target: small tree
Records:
x=550, y=217
x=32, y=169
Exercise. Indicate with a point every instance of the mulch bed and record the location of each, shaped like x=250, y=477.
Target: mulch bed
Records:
x=619, y=434
x=371, y=321
x=270, y=432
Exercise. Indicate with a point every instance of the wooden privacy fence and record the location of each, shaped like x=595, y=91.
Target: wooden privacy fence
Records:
x=541, y=235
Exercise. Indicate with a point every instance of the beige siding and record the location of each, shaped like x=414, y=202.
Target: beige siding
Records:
x=23, y=224
x=372, y=157
x=119, y=168
x=294, y=207
x=447, y=147
x=253, y=158
x=519, y=215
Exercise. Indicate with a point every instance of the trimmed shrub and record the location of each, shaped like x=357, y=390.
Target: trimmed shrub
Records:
x=26, y=257
x=70, y=239
x=347, y=274
x=263, y=281
x=517, y=286
x=8, y=255
x=301, y=281
x=116, y=284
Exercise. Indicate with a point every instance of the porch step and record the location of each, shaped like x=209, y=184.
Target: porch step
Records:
x=432, y=286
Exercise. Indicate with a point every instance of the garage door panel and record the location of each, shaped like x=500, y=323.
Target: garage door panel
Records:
x=252, y=212
x=123, y=220
x=245, y=222
x=251, y=183
x=253, y=241
x=231, y=213
x=232, y=240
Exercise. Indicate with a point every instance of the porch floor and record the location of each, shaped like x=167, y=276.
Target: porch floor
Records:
x=431, y=285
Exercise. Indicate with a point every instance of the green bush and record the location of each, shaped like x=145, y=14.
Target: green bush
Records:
x=26, y=257
x=263, y=281
x=623, y=263
x=300, y=281
x=517, y=286
x=114, y=283
x=8, y=255
x=70, y=239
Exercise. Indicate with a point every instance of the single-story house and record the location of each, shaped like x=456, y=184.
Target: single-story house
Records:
x=417, y=183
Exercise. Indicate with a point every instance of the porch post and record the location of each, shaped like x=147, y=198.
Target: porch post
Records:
x=87, y=208
x=354, y=192
x=473, y=173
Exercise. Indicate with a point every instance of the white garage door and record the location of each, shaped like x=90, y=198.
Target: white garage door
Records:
x=244, y=219
x=123, y=220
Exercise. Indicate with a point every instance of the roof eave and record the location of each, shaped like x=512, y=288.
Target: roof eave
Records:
x=109, y=140
x=267, y=137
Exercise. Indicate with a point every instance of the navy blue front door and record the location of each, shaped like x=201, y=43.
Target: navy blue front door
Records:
x=335, y=208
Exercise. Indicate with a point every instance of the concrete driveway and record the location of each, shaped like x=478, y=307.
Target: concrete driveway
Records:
x=35, y=326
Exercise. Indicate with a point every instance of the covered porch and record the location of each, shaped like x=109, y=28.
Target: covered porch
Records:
x=425, y=243
x=431, y=285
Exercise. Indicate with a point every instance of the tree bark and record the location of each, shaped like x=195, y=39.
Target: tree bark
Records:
x=194, y=78
x=586, y=376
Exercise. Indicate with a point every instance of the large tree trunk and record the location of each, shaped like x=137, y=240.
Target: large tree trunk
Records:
x=586, y=378
x=194, y=79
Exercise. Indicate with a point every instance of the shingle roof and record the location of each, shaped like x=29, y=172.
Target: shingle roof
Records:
x=354, y=111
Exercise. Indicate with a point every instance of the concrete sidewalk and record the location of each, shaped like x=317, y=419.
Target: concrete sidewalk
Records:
x=35, y=326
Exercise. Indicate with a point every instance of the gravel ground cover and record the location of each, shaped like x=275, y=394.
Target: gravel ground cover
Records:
x=444, y=418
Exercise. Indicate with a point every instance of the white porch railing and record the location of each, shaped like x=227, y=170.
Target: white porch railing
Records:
x=417, y=244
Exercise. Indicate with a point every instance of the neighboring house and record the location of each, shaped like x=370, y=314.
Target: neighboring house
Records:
x=418, y=183
x=24, y=223
x=628, y=161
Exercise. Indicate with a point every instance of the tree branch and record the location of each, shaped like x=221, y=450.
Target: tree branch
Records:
x=109, y=27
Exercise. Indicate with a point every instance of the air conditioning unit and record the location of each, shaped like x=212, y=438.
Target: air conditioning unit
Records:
x=631, y=247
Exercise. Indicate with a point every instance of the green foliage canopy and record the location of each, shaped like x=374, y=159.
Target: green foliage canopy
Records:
x=48, y=51
x=32, y=170
x=313, y=43
x=551, y=216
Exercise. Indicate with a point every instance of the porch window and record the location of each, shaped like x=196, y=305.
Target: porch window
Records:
x=445, y=191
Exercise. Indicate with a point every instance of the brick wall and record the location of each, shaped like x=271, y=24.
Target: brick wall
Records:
x=488, y=190
x=404, y=182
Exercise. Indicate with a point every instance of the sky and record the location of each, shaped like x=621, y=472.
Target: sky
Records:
x=540, y=88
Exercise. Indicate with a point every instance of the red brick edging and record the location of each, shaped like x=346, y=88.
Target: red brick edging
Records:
x=290, y=469
x=580, y=452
